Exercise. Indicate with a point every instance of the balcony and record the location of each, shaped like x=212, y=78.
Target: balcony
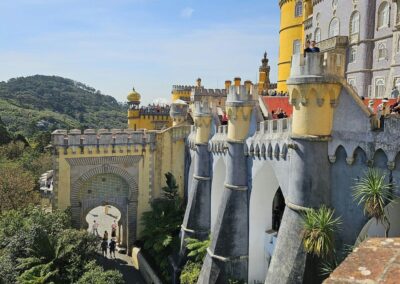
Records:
x=337, y=44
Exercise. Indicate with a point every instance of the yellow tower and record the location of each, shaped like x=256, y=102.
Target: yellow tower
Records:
x=263, y=79
x=290, y=38
x=133, y=111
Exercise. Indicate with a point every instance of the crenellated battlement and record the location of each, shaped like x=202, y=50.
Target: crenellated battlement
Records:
x=199, y=93
x=242, y=94
x=182, y=88
x=101, y=138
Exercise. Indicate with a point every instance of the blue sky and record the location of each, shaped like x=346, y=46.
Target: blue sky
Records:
x=112, y=45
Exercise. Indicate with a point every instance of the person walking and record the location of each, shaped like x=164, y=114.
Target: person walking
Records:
x=95, y=228
x=383, y=111
x=114, y=227
x=104, y=245
x=112, y=247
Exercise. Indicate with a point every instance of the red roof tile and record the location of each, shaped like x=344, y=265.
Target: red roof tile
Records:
x=275, y=102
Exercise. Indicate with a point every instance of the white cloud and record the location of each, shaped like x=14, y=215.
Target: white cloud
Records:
x=187, y=13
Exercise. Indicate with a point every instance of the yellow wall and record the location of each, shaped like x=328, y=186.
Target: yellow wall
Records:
x=291, y=29
x=181, y=95
x=136, y=121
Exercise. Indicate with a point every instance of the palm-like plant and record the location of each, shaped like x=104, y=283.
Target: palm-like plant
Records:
x=197, y=248
x=375, y=193
x=319, y=228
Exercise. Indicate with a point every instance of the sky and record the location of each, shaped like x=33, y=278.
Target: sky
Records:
x=113, y=45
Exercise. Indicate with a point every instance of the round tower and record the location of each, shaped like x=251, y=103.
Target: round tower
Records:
x=133, y=109
x=290, y=38
x=178, y=112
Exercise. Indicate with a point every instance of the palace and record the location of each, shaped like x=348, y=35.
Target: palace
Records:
x=248, y=178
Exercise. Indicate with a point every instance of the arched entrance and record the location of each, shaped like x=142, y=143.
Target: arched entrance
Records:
x=105, y=217
x=266, y=210
x=106, y=185
x=217, y=189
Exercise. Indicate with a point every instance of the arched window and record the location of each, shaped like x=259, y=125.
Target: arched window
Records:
x=379, y=88
x=317, y=35
x=355, y=23
x=334, y=27
x=398, y=45
x=298, y=10
x=383, y=15
x=352, y=54
x=296, y=46
x=382, y=51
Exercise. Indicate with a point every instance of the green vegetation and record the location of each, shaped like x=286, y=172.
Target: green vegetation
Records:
x=375, y=193
x=162, y=226
x=38, y=247
x=197, y=252
x=45, y=103
x=319, y=228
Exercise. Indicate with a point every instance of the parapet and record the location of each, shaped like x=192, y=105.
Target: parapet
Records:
x=199, y=93
x=178, y=108
x=242, y=94
x=103, y=137
x=182, y=88
x=202, y=108
x=316, y=67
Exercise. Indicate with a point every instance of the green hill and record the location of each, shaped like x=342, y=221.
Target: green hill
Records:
x=45, y=103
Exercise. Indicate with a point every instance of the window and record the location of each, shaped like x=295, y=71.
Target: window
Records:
x=355, y=23
x=317, y=35
x=298, y=10
x=296, y=46
x=382, y=51
x=383, y=15
x=352, y=54
x=397, y=83
x=334, y=27
x=352, y=83
x=379, y=88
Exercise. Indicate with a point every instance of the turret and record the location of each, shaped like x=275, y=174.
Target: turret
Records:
x=314, y=89
x=178, y=112
x=202, y=121
x=239, y=106
x=133, y=109
x=263, y=78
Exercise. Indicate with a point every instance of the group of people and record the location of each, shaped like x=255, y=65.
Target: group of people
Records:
x=384, y=109
x=105, y=243
x=279, y=113
x=281, y=94
x=311, y=47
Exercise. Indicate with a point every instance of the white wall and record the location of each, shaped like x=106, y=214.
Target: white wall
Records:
x=265, y=185
x=217, y=188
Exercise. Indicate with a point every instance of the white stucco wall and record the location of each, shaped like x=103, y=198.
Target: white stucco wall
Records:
x=264, y=187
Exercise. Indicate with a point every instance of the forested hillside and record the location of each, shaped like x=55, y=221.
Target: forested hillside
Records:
x=45, y=103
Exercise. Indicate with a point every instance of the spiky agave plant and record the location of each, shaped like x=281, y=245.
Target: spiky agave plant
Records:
x=319, y=228
x=375, y=193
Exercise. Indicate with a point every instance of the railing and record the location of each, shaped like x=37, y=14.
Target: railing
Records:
x=275, y=126
x=337, y=42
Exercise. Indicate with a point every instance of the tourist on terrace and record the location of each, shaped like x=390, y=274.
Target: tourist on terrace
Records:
x=395, y=93
x=307, y=48
x=314, y=48
x=395, y=108
x=371, y=105
x=105, y=236
x=383, y=111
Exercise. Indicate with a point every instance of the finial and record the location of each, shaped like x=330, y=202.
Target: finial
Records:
x=133, y=89
x=265, y=55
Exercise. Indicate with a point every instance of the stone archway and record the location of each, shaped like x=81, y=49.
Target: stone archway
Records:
x=106, y=185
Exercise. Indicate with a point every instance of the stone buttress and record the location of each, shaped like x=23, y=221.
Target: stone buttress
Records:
x=227, y=256
x=197, y=220
x=314, y=88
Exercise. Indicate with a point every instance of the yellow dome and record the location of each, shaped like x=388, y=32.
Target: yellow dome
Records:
x=133, y=96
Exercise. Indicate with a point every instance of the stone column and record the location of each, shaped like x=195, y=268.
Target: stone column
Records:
x=227, y=256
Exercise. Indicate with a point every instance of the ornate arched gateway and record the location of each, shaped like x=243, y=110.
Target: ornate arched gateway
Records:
x=106, y=185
